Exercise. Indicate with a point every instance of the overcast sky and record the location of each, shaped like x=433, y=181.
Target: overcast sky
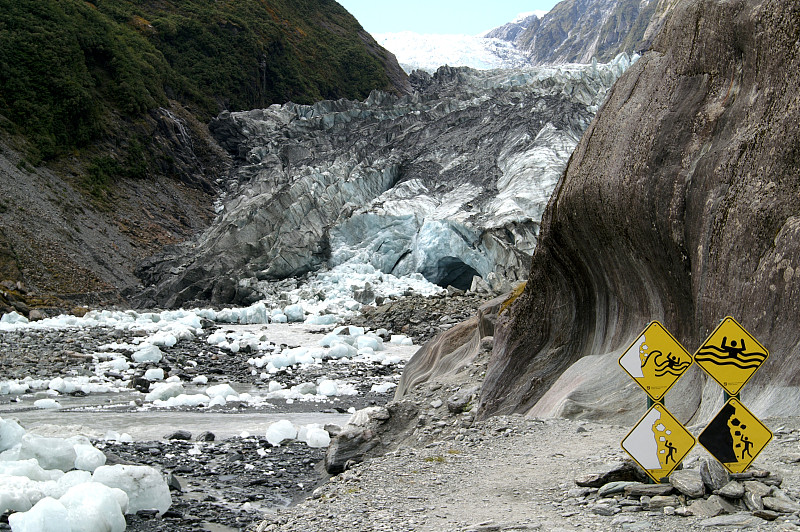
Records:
x=468, y=17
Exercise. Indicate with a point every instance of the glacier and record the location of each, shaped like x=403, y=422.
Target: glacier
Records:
x=449, y=182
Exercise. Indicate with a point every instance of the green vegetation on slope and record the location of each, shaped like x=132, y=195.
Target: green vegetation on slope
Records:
x=70, y=69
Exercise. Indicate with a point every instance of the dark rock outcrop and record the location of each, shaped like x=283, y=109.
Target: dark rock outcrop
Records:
x=679, y=204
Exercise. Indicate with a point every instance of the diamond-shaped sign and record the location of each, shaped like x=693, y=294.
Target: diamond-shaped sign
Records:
x=735, y=436
x=730, y=355
x=658, y=442
x=655, y=360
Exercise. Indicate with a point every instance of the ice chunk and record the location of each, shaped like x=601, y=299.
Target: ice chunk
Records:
x=154, y=374
x=88, y=458
x=164, y=391
x=326, y=319
x=222, y=390
x=12, y=317
x=47, y=404
x=294, y=313
x=305, y=388
x=163, y=339
x=383, y=388
x=190, y=400
x=401, y=339
x=200, y=379
x=47, y=515
x=342, y=351
x=13, y=499
x=51, y=453
x=144, y=485
x=328, y=388
x=314, y=435
x=28, y=468
x=274, y=386
x=279, y=318
x=95, y=507
x=10, y=434
x=281, y=431
x=216, y=338
x=147, y=353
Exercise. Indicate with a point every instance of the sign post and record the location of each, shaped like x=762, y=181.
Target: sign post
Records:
x=655, y=361
x=731, y=355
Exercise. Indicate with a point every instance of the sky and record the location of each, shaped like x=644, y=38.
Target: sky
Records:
x=469, y=17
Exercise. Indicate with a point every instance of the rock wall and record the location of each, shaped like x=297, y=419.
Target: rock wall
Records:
x=680, y=204
x=449, y=182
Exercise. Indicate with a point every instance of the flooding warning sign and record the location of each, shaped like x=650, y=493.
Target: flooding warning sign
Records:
x=730, y=355
x=735, y=436
x=658, y=442
x=655, y=360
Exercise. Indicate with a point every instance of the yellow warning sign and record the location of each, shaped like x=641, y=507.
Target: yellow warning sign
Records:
x=731, y=355
x=735, y=436
x=658, y=442
x=655, y=360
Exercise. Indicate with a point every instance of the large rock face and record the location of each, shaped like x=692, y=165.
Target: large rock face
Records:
x=680, y=204
x=449, y=182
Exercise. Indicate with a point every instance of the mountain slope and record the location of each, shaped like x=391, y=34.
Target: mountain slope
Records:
x=679, y=204
x=575, y=31
x=102, y=113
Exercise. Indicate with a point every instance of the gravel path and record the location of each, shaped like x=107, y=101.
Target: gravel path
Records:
x=507, y=473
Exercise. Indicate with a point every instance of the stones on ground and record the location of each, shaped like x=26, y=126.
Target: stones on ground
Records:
x=458, y=402
x=648, y=490
x=663, y=501
x=713, y=474
x=752, y=501
x=738, y=520
x=689, y=482
x=731, y=490
x=179, y=435
x=756, y=488
x=779, y=504
x=711, y=507
x=614, y=487
x=616, y=471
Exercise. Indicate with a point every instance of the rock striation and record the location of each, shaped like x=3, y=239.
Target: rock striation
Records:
x=679, y=204
x=449, y=182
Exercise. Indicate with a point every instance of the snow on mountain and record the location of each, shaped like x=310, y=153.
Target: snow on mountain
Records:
x=430, y=51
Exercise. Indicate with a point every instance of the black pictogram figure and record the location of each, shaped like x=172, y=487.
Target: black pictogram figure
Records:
x=668, y=363
x=747, y=444
x=671, y=448
x=731, y=354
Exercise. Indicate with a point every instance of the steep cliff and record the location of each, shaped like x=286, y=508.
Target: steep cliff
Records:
x=680, y=204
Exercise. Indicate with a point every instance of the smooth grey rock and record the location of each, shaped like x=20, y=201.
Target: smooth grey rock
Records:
x=731, y=490
x=614, y=487
x=740, y=520
x=757, y=488
x=752, y=501
x=648, y=490
x=688, y=481
x=179, y=435
x=604, y=509
x=713, y=474
x=780, y=505
x=349, y=446
x=767, y=515
x=616, y=471
x=457, y=402
x=662, y=501
x=711, y=507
